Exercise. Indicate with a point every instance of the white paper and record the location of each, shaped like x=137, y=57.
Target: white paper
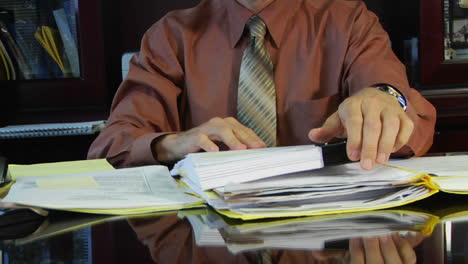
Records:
x=359, y=201
x=441, y=166
x=336, y=175
x=150, y=186
x=452, y=184
x=450, y=173
x=214, y=170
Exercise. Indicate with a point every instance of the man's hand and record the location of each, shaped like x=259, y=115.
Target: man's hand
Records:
x=384, y=249
x=227, y=131
x=374, y=123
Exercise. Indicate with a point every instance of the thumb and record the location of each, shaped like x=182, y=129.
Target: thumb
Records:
x=330, y=129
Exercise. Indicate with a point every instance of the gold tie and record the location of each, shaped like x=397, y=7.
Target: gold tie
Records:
x=256, y=98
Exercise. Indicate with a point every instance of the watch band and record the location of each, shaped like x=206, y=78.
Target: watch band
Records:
x=395, y=93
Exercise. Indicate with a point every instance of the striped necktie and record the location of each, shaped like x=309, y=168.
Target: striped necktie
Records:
x=256, y=98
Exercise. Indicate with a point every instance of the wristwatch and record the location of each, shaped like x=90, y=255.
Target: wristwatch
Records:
x=395, y=93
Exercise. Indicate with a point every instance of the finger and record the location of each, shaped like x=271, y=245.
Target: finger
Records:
x=226, y=136
x=390, y=129
x=414, y=238
x=406, y=129
x=203, y=142
x=406, y=251
x=370, y=138
x=389, y=250
x=356, y=251
x=330, y=129
x=372, y=250
x=353, y=120
x=246, y=135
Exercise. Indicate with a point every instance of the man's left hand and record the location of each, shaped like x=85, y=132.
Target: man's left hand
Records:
x=374, y=123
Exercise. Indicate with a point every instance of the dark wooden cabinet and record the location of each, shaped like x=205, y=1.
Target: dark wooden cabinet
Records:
x=442, y=80
x=59, y=100
x=64, y=99
x=452, y=119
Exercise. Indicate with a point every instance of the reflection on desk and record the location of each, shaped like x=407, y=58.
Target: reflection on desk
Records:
x=430, y=233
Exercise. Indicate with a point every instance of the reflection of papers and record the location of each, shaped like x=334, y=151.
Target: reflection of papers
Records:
x=310, y=233
x=204, y=234
x=52, y=226
x=145, y=189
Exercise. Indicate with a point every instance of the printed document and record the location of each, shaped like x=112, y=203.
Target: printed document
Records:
x=134, y=188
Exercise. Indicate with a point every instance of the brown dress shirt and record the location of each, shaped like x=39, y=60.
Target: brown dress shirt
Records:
x=187, y=72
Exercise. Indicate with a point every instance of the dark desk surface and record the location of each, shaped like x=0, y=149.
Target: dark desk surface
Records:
x=173, y=238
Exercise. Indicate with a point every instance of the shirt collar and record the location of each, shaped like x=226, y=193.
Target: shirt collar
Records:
x=275, y=17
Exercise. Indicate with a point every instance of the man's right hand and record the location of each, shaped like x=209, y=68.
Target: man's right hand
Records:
x=228, y=131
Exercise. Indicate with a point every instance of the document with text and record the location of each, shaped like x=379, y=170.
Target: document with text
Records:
x=141, y=189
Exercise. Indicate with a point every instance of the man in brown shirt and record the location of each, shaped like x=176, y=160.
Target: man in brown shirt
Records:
x=180, y=95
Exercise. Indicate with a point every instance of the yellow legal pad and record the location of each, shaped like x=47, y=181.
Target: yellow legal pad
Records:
x=58, y=168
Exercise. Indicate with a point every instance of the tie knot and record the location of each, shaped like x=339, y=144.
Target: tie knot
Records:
x=257, y=27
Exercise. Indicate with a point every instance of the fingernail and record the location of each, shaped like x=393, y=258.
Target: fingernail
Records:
x=382, y=158
x=355, y=155
x=367, y=164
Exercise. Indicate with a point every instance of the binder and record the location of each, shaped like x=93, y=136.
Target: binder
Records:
x=51, y=130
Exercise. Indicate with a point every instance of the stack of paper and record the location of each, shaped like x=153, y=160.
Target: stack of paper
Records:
x=123, y=191
x=311, y=233
x=249, y=184
x=212, y=170
x=279, y=182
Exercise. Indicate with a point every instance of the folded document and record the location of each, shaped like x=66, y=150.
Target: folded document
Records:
x=123, y=191
x=282, y=182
